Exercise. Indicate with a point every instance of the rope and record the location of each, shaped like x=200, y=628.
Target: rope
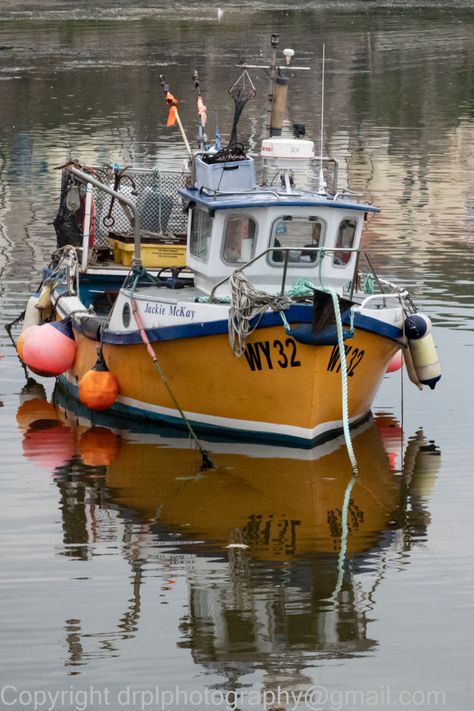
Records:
x=344, y=390
x=206, y=461
x=344, y=536
x=247, y=307
x=342, y=358
x=67, y=268
x=369, y=284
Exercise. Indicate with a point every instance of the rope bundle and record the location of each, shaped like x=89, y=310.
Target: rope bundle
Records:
x=248, y=303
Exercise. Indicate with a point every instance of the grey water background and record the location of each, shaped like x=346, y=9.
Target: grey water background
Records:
x=97, y=589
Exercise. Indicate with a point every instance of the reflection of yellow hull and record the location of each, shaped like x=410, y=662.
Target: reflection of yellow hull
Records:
x=286, y=390
x=279, y=502
x=279, y=507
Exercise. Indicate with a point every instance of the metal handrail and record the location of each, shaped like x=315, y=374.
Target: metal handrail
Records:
x=286, y=251
x=85, y=178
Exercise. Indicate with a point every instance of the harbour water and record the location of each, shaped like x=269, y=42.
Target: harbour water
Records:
x=131, y=578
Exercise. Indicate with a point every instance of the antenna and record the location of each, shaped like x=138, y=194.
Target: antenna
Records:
x=322, y=182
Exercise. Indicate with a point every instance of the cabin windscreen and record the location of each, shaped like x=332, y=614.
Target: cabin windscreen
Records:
x=345, y=238
x=200, y=237
x=239, y=239
x=299, y=235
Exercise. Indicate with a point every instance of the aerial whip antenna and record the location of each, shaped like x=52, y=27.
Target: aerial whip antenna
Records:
x=322, y=182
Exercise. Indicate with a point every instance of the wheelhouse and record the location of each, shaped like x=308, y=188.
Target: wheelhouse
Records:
x=306, y=237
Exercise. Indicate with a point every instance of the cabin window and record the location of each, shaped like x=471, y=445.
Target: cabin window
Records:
x=345, y=238
x=239, y=239
x=200, y=239
x=302, y=235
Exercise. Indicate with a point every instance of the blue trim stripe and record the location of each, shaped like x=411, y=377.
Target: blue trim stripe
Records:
x=299, y=313
x=263, y=199
x=372, y=325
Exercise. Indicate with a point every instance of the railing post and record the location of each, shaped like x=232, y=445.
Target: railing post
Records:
x=285, y=269
x=86, y=228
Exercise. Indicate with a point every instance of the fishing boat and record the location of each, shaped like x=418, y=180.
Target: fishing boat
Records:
x=223, y=297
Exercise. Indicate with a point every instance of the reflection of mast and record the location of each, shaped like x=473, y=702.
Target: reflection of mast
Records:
x=81, y=495
x=129, y=620
x=74, y=644
x=78, y=503
x=277, y=614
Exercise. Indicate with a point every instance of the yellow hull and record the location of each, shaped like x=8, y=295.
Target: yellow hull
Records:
x=279, y=388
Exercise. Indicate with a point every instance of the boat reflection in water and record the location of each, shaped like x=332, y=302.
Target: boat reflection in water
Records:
x=281, y=549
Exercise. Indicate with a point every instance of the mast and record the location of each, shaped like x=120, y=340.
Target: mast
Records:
x=277, y=91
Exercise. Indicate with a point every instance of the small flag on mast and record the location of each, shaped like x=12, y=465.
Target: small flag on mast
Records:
x=173, y=112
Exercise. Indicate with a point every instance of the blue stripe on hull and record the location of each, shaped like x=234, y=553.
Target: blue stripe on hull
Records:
x=295, y=314
x=211, y=432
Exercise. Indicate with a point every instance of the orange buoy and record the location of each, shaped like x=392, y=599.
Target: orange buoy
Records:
x=98, y=446
x=50, y=349
x=22, y=338
x=395, y=363
x=98, y=388
x=35, y=409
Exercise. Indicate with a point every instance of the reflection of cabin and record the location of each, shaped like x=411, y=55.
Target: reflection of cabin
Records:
x=225, y=621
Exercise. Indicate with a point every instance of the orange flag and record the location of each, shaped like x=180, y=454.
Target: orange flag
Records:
x=202, y=111
x=173, y=112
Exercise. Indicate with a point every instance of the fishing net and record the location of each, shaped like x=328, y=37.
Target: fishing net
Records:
x=152, y=190
x=242, y=91
x=68, y=221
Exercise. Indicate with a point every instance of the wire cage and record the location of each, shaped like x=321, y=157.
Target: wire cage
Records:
x=163, y=221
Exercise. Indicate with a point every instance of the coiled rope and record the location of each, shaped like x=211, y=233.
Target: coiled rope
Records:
x=247, y=306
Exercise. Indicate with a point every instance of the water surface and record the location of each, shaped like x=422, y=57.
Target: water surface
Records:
x=117, y=575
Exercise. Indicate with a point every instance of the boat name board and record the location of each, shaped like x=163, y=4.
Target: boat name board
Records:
x=175, y=310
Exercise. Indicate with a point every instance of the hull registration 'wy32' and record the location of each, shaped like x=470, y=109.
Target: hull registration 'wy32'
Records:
x=214, y=299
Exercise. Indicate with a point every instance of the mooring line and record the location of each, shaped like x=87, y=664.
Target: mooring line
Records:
x=206, y=461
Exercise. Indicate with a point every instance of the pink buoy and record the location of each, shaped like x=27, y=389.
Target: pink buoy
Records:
x=22, y=338
x=395, y=363
x=49, y=443
x=50, y=349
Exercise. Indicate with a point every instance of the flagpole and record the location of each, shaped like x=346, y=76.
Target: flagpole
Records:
x=180, y=126
x=202, y=113
x=172, y=103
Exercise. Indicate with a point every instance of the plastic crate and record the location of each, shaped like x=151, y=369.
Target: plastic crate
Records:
x=234, y=176
x=156, y=251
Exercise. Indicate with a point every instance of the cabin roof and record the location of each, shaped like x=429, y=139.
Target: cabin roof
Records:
x=261, y=197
